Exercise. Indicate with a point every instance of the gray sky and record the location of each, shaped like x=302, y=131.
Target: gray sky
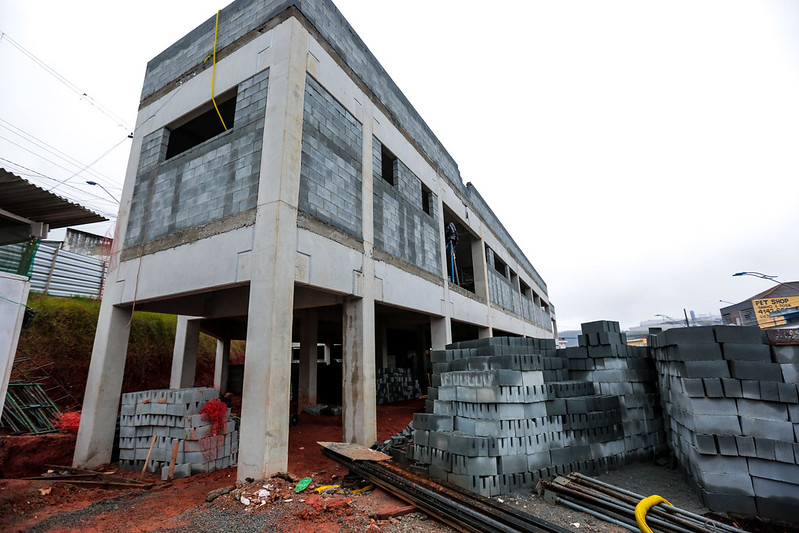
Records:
x=638, y=152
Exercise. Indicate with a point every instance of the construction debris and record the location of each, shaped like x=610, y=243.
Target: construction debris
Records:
x=88, y=478
x=28, y=409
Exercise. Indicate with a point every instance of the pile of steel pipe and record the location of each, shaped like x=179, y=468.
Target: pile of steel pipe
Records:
x=455, y=507
x=616, y=505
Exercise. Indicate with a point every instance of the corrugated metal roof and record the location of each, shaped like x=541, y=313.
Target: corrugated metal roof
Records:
x=25, y=199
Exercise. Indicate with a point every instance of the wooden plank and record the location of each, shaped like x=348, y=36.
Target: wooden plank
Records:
x=355, y=452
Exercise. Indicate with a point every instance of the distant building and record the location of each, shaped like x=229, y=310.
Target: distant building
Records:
x=766, y=309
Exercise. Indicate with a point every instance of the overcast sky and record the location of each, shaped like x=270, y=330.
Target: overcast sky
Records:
x=638, y=152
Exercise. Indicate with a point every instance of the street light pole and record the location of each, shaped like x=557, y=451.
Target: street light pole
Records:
x=103, y=188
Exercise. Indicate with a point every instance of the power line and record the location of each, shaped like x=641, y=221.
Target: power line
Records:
x=89, y=165
x=51, y=149
x=71, y=86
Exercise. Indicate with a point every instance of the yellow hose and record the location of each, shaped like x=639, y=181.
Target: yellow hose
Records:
x=213, y=72
x=644, y=506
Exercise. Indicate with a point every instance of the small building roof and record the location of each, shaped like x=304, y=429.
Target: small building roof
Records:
x=20, y=198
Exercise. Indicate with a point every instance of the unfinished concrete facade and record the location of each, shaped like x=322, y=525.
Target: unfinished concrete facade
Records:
x=316, y=215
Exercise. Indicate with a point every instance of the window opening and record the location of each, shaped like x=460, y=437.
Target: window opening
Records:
x=500, y=266
x=387, y=165
x=202, y=127
x=426, y=200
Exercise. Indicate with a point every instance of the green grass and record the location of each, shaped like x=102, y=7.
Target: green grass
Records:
x=62, y=336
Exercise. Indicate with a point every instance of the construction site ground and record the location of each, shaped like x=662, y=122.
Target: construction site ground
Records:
x=43, y=505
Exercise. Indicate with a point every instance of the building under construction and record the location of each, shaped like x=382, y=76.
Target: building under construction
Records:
x=282, y=190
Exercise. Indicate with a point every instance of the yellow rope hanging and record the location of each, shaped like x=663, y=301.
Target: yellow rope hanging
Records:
x=213, y=72
x=644, y=506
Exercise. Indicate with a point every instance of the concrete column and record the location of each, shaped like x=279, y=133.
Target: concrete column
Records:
x=484, y=333
x=359, y=392
x=221, y=365
x=308, y=358
x=103, y=386
x=480, y=268
x=383, y=332
x=264, y=439
x=184, y=353
x=440, y=332
x=12, y=312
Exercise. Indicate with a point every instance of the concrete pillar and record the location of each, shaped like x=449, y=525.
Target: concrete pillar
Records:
x=308, y=358
x=15, y=290
x=480, y=268
x=383, y=356
x=221, y=365
x=264, y=438
x=184, y=353
x=440, y=332
x=103, y=385
x=484, y=332
x=359, y=392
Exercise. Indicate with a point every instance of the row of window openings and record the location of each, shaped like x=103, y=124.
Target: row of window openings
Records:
x=389, y=171
x=503, y=270
x=209, y=124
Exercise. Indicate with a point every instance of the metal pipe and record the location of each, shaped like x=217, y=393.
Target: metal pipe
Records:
x=604, y=492
x=673, y=510
x=622, y=507
x=599, y=515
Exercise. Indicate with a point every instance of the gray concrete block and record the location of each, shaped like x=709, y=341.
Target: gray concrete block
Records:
x=727, y=445
x=705, y=369
x=713, y=388
x=738, y=334
x=694, y=388
x=788, y=354
x=705, y=444
x=746, y=352
x=773, y=470
x=732, y=388
x=724, y=502
x=762, y=409
x=750, y=389
x=769, y=391
x=755, y=370
x=788, y=393
x=790, y=372
x=764, y=449
x=746, y=446
x=768, y=429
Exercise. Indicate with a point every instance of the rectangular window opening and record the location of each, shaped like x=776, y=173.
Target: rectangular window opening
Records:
x=427, y=200
x=204, y=125
x=500, y=266
x=388, y=164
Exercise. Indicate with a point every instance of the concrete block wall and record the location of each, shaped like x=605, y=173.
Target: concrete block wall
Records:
x=501, y=290
x=173, y=415
x=213, y=180
x=626, y=372
x=396, y=384
x=732, y=410
x=401, y=227
x=504, y=412
x=330, y=172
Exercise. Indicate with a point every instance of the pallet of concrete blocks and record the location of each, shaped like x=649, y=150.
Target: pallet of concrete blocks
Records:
x=396, y=384
x=161, y=418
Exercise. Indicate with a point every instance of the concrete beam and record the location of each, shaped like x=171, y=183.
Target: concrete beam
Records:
x=184, y=353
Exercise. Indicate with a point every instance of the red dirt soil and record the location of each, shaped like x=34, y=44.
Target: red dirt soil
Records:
x=24, y=504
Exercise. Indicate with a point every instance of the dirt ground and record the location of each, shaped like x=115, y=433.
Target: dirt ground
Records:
x=273, y=505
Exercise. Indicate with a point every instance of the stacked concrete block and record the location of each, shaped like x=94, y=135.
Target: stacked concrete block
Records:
x=502, y=413
x=626, y=372
x=173, y=415
x=732, y=416
x=396, y=384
